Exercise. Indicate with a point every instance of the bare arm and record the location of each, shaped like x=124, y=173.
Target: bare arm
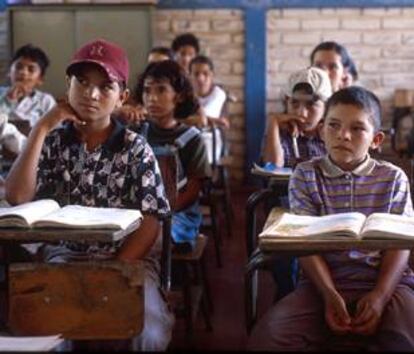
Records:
x=336, y=313
x=21, y=180
x=138, y=244
x=189, y=194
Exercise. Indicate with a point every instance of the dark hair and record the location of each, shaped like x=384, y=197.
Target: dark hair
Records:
x=33, y=53
x=163, y=51
x=361, y=98
x=178, y=79
x=346, y=60
x=352, y=69
x=202, y=59
x=185, y=39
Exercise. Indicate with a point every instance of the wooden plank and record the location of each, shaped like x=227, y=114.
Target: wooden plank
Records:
x=83, y=300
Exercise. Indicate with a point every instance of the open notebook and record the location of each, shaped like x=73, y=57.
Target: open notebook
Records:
x=29, y=344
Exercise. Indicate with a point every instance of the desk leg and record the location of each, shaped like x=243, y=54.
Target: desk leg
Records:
x=254, y=200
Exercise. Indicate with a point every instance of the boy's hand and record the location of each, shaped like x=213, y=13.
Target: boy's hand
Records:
x=368, y=314
x=17, y=91
x=60, y=113
x=336, y=314
x=131, y=114
x=290, y=122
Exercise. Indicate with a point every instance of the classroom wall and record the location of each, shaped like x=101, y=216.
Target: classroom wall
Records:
x=380, y=40
x=221, y=33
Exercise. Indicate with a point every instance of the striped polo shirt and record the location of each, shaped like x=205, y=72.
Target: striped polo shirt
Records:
x=308, y=146
x=319, y=187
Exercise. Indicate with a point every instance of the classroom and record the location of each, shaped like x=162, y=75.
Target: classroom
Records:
x=168, y=171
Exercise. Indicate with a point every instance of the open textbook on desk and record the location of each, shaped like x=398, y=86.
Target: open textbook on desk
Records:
x=47, y=213
x=353, y=225
x=29, y=344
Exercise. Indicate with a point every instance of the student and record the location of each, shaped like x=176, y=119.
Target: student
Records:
x=22, y=100
x=336, y=61
x=355, y=299
x=185, y=47
x=77, y=154
x=212, y=99
x=306, y=93
x=167, y=94
x=131, y=112
x=159, y=54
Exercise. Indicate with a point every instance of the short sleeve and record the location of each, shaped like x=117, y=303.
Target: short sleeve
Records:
x=195, y=159
x=147, y=188
x=300, y=198
x=401, y=202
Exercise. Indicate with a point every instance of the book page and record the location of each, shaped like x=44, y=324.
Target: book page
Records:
x=25, y=214
x=303, y=226
x=29, y=344
x=280, y=172
x=383, y=225
x=77, y=216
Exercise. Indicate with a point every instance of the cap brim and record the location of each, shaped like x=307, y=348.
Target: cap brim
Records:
x=111, y=73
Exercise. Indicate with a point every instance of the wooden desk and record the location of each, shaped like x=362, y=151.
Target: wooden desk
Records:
x=80, y=300
x=263, y=256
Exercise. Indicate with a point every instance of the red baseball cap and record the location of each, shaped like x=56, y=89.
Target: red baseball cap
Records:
x=112, y=58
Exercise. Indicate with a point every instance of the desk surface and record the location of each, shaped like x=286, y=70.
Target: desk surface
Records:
x=329, y=245
x=58, y=234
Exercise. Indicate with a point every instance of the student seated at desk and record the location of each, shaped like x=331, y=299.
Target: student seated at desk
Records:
x=167, y=94
x=212, y=99
x=93, y=160
x=21, y=100
x=294, y=135
x=354, y=299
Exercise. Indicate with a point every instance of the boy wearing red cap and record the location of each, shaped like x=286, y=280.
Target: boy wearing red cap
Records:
x=77, y=154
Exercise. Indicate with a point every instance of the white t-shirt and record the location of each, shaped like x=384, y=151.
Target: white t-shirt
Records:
x=213, y=105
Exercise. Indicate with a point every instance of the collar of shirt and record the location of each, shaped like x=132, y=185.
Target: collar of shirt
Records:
x=329, y=169
x=114, y=143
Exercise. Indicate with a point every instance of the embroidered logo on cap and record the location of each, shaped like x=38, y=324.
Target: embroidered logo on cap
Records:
x=97, y=51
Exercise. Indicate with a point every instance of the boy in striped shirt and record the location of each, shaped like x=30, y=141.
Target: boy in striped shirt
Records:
x=357, y=299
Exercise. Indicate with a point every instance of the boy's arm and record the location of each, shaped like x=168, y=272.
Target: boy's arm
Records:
x=273, y=150
x=21, y=180
x=315, y=267
x=138, y=244
x=189, y=194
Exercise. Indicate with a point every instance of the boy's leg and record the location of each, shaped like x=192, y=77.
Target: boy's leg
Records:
x=396, y=332
x=295, y=323
x=159, y=319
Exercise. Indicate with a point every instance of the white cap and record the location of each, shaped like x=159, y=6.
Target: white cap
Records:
x=317, y=78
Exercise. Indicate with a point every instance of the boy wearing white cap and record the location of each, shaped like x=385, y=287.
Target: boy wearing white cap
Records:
x=294, y=136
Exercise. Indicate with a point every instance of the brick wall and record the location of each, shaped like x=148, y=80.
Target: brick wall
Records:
x=221, y=33
x=380, y=41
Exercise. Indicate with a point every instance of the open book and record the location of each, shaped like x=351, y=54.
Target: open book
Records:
x=47, y=213
x=29, y=344
x=279, y=172
x=337, y=226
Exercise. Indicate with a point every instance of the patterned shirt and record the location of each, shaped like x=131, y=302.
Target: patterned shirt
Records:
x=121, y=173
x=308, y=147
x=319, y=187
x=31, y=108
